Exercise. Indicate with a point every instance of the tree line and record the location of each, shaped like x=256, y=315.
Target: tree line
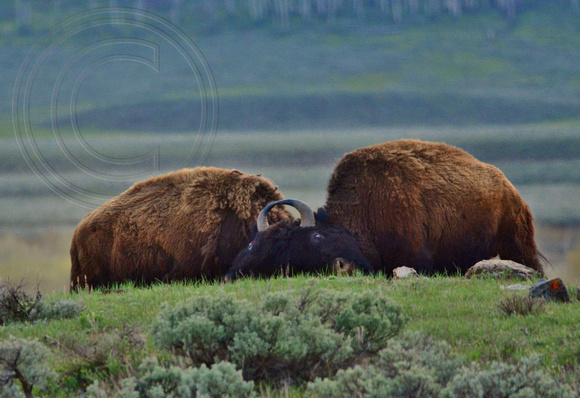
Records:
x=226, y=14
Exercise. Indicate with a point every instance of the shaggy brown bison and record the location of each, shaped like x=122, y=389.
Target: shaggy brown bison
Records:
x=424, y=205
x=183, y=225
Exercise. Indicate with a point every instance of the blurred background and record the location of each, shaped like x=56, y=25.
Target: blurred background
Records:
x=99, y=95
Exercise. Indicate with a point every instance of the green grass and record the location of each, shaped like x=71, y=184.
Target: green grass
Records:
x=462, y=312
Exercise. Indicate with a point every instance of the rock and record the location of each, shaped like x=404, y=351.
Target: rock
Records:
x=500, y=268
x=517, y=286
x=553, y=289
x=404, y=272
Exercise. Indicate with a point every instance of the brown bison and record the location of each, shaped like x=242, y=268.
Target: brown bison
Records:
x=183, y=225
x=424, y=205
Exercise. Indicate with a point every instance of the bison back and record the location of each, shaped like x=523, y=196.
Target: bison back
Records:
x=188, y=224
x=429, y=206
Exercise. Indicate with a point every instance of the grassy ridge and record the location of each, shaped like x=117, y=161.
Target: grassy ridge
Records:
x=462, y=312
x=477, y=69
x=334, y=110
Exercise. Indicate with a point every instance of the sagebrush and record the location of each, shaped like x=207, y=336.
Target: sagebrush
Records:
x=23, y=363
x=17, y=305
x=283, y=337
x=222, y=379
x=417, y=366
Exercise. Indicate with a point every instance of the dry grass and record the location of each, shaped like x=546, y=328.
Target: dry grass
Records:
x=15, y=304
x=521, y=305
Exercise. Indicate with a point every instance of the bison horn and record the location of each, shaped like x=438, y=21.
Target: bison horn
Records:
x=306, y=213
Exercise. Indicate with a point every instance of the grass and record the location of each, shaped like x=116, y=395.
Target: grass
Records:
x=112, y=335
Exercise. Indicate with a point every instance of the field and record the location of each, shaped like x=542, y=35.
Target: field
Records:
x=114, y=333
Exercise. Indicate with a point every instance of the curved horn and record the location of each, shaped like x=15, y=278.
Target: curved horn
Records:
x=306, y=213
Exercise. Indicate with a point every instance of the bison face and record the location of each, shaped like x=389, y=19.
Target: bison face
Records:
x=291, y=247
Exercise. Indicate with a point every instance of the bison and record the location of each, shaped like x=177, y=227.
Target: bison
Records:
x=187, y=224
x=302, y=246
x=425, y=205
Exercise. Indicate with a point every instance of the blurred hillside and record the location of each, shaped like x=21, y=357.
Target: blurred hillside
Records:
x=33, y=18
x=359, y=64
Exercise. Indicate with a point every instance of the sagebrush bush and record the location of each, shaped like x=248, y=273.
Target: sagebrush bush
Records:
x=417, y=366
x=16, y=305
x=155, y=381
x=101, y=353
x=520, y=380
x=286, y=336
x=412, y=366
x=60, y=309
x=24, y=361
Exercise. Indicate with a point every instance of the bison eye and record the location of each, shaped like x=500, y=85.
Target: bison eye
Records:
x=316, y=238
x=250, y=246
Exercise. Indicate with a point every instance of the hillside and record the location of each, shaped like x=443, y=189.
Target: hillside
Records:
x=439, y=332
x=477, y=69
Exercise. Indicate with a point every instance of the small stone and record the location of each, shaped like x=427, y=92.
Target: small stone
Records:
x=517, y=286
x=500, y=268
x=553, y=289
x=404, y=272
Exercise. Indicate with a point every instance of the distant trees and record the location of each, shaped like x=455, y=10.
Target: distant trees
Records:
x=224, y=14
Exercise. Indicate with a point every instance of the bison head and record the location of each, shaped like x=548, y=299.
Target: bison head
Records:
x=308, y=245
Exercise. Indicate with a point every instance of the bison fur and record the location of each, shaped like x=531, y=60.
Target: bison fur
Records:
x=184, y=225
x=429, y=206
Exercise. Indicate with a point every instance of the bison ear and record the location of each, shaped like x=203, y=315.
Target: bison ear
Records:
x=321, y=215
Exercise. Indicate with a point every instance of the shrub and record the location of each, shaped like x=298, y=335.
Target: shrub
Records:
x=153, y=380
x=60, y=309
x=521, y=380
x=101, y=353
x=25, y=361
x=283, y=336
x=522, y=305
x=370, y=321
x=16, y=305
x=417, y=366
x=413, y=366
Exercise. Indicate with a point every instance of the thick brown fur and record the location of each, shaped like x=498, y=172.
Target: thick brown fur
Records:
x=183, y=225
x=430, y=206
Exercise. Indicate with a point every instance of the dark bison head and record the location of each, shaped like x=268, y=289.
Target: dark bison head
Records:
x=311, y=245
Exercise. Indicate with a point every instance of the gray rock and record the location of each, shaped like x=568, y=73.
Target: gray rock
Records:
x=500, y=269
x=553, y=289
x=404, y=272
